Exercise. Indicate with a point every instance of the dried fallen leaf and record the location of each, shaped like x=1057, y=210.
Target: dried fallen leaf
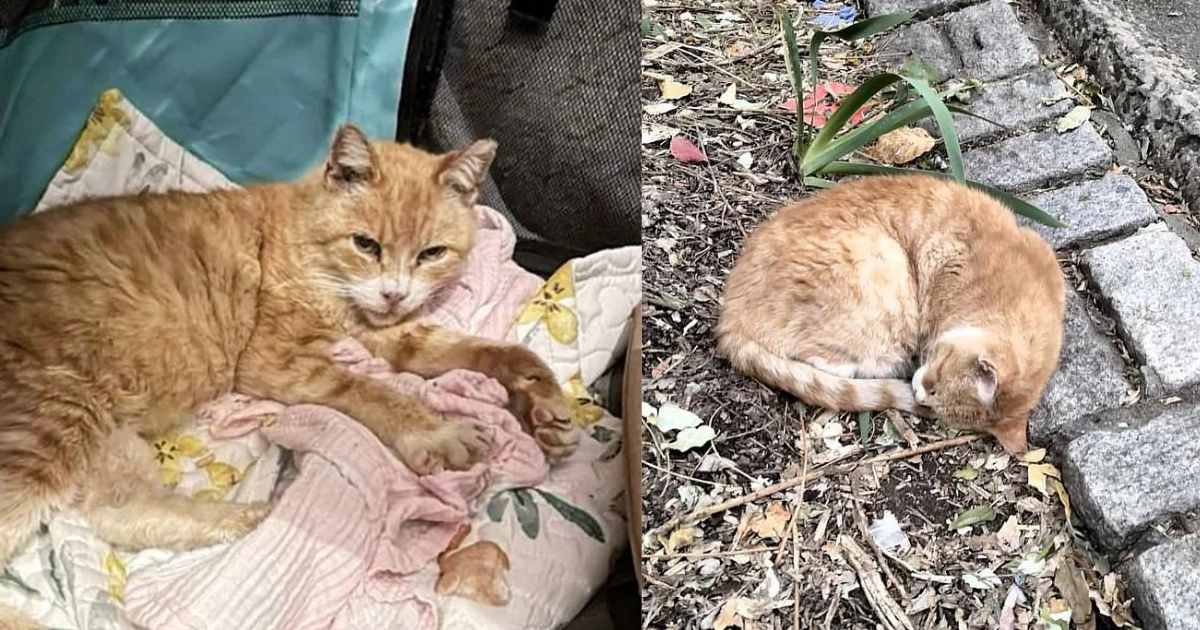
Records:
x=1034, y=456
x=900, y=146
x=686, y=152
x=1073, y=119
x=658, y=109
x=728, y=617
x=692, y=437
x=1058, y=488
x=737, y=611
x=672, y=417
x=982, y=579
x=738, y=48
x=1073, y=587
x=1007, y=614
x=772, y=522
x=1038, y=474
x=655, y=132
x=1009, y=536
x=681, y=538
x=672, y=90
x=974, y=516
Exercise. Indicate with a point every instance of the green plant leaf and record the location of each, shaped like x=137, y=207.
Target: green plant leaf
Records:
x=579, y=517
x=527, y=512
x=966, y=112
x=850, y=104
x=974, y=516
x=1014, y=203
x=818, y=157
x=495, y=507
x=796, y=72
x=858, y=30
x=864, y=427
x=818, y=182
x=945, y=124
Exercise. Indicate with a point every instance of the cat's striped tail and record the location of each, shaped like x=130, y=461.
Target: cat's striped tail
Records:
x=814, y=386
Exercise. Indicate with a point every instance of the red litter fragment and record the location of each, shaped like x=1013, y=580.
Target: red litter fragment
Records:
x=686, y=152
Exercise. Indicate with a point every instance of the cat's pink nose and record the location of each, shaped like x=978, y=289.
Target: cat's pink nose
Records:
x=392, y=297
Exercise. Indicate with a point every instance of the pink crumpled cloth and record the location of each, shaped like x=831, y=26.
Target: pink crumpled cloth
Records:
x=346, y=544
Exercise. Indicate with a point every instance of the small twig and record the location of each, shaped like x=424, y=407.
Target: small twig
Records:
x=683, y=476
x=812, y=476
x=886, y=609
x=791, y=530
x=796, y=534
x=709, y=554
x=861, y=519
x=832, y=610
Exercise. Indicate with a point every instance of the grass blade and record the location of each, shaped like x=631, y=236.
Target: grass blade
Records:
x=817, y=182
x=818, y=158
x=848, y=106
x=945, y=124
x=858, y=30
x=796, y=71
x=1014, y=203
x=966, y=112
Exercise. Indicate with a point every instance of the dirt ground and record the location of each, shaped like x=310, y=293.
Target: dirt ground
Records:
x=784, y=561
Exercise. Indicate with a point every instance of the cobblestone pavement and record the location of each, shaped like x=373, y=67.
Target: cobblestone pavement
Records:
x=1132, y=469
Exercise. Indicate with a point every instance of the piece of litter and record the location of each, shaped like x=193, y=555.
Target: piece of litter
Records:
x=745, y=160
x=887, y=533
x=692, y=437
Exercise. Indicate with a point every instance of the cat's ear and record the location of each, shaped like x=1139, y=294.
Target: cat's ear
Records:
x=351, y=160
x=463, y=171
x=986, y=381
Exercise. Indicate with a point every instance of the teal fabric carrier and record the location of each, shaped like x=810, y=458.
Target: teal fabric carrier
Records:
x=253, y=87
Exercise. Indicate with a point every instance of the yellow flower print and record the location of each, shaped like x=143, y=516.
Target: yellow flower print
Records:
x=116, y=576
x=169, y=451
x=547, y=307
x=222, y=476
x=96, y=134
x=584, y=410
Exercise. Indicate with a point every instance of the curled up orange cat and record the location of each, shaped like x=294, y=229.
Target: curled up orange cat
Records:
x=912, y=293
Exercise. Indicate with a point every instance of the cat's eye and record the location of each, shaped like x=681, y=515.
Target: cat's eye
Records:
x=430, y=254
x=368, y=245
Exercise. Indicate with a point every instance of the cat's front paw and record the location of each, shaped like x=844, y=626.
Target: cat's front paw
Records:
x=452, y=445
x=537, y=400
x=241, y=520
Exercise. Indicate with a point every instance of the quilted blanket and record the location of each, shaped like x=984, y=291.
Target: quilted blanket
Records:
x=564, y=530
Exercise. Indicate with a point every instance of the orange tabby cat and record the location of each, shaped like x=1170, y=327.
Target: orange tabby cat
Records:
x=835, y=295
x=122, y=315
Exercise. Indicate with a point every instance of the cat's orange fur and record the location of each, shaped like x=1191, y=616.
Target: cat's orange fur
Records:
x=836, y=295
x=121, y=315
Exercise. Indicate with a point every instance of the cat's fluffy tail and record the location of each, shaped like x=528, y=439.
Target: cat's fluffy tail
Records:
x=815, y=386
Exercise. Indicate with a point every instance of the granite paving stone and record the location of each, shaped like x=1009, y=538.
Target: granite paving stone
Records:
x=1093, y=210
x=924, y=8
x=1038, y=159
x=1017, y=103
x=1153, y=284
x=1122, y=481
x=1165, y=583
x=990, y=41
x=1090, y=378
x=924, y=42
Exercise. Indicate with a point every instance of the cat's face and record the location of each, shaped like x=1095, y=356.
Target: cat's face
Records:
x=395, y=223
x=962, y=382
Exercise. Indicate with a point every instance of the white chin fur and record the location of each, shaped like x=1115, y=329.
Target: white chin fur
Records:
x=919, y=393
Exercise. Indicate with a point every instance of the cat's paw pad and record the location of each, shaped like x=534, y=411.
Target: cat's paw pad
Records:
x=546, y=414
x=241, y=520
x=452, y=445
